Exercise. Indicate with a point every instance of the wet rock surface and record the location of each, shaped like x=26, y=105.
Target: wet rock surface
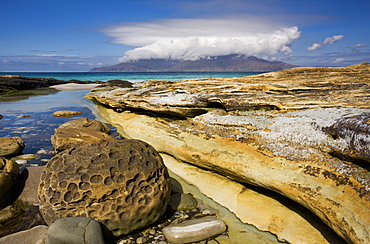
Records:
x=264, y=130
x=123, y=184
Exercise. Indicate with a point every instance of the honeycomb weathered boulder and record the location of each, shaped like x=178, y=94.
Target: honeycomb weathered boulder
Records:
x=80, y=131
x=123, y=184
x=9, y=171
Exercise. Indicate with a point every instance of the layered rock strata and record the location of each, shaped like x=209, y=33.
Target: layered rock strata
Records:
x=266, y=130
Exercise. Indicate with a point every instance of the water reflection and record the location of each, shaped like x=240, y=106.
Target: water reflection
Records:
x=25, y=94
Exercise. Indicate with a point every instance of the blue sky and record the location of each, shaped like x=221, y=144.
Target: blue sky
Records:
x=44, y=35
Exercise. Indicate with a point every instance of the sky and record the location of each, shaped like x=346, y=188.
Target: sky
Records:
x=64, y=36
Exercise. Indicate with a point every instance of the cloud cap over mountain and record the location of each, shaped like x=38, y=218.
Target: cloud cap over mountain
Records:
x=192, y=39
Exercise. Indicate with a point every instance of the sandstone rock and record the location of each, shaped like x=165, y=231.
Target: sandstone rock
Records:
x=76, y=230
x=35, y=235
x=66, y=113
x=11, y=146
x=194, y=230
x=299, y=88
x=264, y=130
x=269, y=212
x=80, y=131
x=69, y=138
x=9, y=171
x=86, y=123
x=122, y=184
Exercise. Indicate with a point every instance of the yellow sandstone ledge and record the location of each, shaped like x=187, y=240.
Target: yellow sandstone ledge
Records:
x=264, y=212
x=266, y=130
x=308, y=185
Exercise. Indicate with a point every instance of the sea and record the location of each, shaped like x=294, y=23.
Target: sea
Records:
x=129, y=76
x=28, y=114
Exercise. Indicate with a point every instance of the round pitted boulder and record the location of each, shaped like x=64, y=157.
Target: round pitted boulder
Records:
x=122, y=184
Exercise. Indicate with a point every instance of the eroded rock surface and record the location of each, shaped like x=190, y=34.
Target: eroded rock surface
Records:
x=123, y=184
x=265, y=130
x=10, y=146
x=80, y=131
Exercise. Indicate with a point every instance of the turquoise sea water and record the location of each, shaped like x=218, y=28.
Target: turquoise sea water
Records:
x=129, y=76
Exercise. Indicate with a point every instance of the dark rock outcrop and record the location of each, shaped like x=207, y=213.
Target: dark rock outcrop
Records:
x=10, y=83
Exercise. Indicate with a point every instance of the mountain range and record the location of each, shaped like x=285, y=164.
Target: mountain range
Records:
x=229, y=63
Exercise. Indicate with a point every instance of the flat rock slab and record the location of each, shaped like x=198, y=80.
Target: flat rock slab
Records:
x=299, y=88
x=36, y=235
x=29, y=193
x=66, y=113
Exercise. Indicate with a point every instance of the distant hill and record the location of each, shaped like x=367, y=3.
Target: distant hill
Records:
x=229, y=63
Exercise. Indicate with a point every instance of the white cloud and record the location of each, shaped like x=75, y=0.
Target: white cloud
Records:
x=191, y=39
x=360, y=45
x=338, y=60
x=331, y=40
x=314, y=46
x=328, y=40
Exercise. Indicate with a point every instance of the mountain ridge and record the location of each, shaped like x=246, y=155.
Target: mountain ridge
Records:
x=228, y=63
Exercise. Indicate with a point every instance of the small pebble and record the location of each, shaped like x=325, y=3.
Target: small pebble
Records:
x=21, y=162
x=194, y=230
x=140, y=240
